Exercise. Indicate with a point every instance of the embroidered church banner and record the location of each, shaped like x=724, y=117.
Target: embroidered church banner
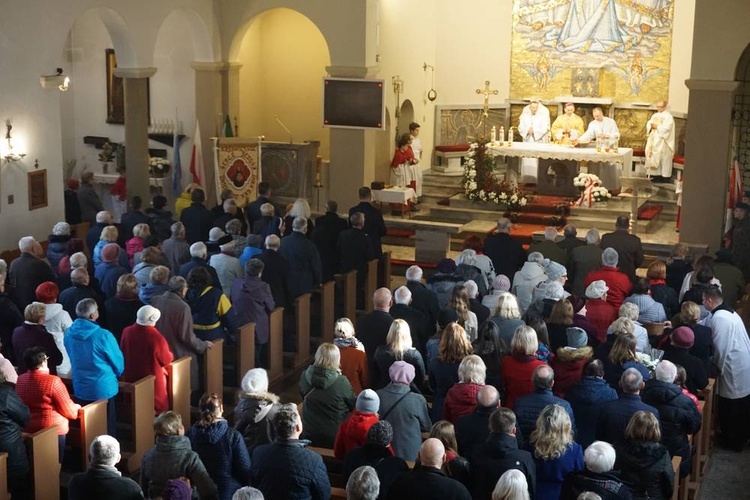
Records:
x=620, y=49
x=237, y=168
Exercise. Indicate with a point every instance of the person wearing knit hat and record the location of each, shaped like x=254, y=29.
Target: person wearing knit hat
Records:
x=555, y=271
x=377, y=452
x=599, y=312
x=146, y=352
x=109, y=270
x=405, y=410
x=501, y=284
x=177, y=489
x=678, y=352
x=56, y=320
x=444, y=280
x=576, y=337
x=352, y=432
x=569, y=360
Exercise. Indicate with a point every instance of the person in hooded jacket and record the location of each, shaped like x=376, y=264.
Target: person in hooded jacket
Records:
x=531, y=274
x=585, y=398
x=220, y=448
x=146, y=352
x=255, y=410
x=644, y=463
x=253, y=302
x=328, y=397
x=569, y=361
x=352, y=432
x=443, y=281
x=56, y=321
x=377, y=452
x=677, y=413
x=14, y=416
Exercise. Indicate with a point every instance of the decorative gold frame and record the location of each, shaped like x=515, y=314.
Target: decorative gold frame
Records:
x=37, y=181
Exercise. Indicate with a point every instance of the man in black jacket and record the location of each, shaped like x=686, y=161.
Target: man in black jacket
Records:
x=275, y=271
x=628, y=246
x=678, y=415
x=70, y=297
x=328, y=227
x=506, y=253
x=372, y=328
x=302, y=258
x=252, y=209
x=374, y=224
x=103, y=219
x=132, y=218
x=418, y=323
x=27, y=272
x=422, y=298
x=473, y=429
x=615, y=415
x=103, y=480
x=500, y=453
x=354, y=251
x=427, y=479
x=197, y=218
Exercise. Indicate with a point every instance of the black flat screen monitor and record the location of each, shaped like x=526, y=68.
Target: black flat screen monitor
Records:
x=354, y=103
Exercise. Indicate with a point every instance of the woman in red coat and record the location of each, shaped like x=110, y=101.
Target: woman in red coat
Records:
x=462, y=397
x=146, y=352
x=352, y=432
x=569, y=361
x=599, y=312
x=46, y=396
x=518, y=368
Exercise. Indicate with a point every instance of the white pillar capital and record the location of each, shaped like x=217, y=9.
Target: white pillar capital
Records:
x=135, y=72
x=712, y=85
x=209, y=66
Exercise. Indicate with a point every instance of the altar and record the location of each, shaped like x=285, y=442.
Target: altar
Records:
x=558, y=165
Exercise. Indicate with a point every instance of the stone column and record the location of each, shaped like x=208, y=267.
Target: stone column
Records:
x=352, y=151
x=208, y=99
x=135, y=85
x=707, y=161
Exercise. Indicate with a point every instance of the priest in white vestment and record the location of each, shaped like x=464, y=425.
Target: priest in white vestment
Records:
x=660, y=144
x=609, y=173
x=533, y=125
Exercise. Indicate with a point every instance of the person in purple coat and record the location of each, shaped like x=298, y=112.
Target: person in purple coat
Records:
x=253, y=301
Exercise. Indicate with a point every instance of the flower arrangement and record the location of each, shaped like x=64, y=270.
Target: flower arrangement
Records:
x=591, y=189
x=158, y=167
x=480, y=183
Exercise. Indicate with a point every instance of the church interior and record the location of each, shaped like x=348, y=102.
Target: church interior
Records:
x=86, y=82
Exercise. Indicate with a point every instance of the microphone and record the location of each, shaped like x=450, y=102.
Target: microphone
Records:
x=284, y=127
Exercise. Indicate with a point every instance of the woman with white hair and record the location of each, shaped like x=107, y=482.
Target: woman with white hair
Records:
x=300, y=208
x=512, y=485
x=57, y=244
x=398, y=348
x=630, y=310
x=555, y=453
x=461, y=399
x=467, y=269
x=253, y=415
x=328, y=397
x=354, y=364
x=507, y=316
x=146, y=352
x=598, y=476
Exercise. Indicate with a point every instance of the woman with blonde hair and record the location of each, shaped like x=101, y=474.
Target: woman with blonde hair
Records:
x=621, y=357
x=353, y=357
x=398, y=348
x=679, y=265
x=512, y=485
x=643, y=462
x=507, y=316
x=555, y=453
x=461, y=399
x=453, y=348
x=459, y=302
x=109, y=235
x=300, y=208
x=328, y=397
x=518, y=368
x=660, y=291
x=455, y=466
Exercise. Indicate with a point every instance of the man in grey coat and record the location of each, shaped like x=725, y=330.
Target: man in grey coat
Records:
x=406, y=411
x=582, y=260
x=88, y=199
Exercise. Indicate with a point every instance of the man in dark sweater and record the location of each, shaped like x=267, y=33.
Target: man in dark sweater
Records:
x=197, y=218
x=328, y=227
x=275, y=271
x=506, y=253
x=374, y=224
x=103, y=480
x=372, y=328
x=473, y=429
x=132, y=218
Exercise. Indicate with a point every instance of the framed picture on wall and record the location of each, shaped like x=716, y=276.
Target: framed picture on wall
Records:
x=37, y=189
x=116, y=92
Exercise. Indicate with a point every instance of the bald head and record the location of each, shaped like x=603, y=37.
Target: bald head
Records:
x=488, y=397
x=432, y=453
x=381, y=299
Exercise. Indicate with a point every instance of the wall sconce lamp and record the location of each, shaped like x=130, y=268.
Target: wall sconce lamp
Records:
x=59, y=81
x=9, y=155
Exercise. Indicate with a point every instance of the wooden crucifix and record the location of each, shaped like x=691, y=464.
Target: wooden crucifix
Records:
x=486, y=92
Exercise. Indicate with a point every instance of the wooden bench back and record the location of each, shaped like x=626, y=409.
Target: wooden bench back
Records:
x=213, y=369
x=346, y=288
x=276, y=344
x=178, y=387
x=138, y=404
x=42, y=449
x=245, y=351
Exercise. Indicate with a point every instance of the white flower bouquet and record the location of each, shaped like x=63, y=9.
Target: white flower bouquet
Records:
x=158, y=167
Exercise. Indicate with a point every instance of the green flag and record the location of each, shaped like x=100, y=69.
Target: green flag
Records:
x=228, y=128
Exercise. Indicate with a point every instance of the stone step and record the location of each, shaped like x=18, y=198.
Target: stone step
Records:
x=438, y=173
x=440, y=191
x=454, y=182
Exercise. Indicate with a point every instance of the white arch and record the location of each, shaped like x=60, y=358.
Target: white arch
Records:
x=127, y=56
x=197, y=31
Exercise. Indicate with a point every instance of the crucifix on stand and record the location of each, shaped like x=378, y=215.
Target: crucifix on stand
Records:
x=487, y=92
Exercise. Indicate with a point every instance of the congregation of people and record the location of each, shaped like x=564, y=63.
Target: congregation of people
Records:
x=560, y=371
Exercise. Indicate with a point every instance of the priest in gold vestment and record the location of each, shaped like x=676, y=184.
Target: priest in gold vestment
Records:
x=567, y=127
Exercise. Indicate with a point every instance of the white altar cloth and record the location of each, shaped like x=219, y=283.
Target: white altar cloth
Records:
x=623, y=156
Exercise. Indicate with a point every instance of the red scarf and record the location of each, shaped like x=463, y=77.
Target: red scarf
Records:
x=658, y=282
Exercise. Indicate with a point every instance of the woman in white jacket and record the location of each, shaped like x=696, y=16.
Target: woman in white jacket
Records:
x=531, y=274
x=56, y=321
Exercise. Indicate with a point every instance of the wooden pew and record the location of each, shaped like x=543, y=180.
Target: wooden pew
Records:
x=346, y=285
x=302, y=330
x=213, y=369
x=42, y=449
x=708, y=395
x=676, y=461
x=371, y=284
x=178, y=387
x=4, y=495
x=327, y=308
x=338, y=493
x=276, y=344
x=693, y=481
x=137, y=410
x=385, y=271
x=91, y=422
x=245, y=351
